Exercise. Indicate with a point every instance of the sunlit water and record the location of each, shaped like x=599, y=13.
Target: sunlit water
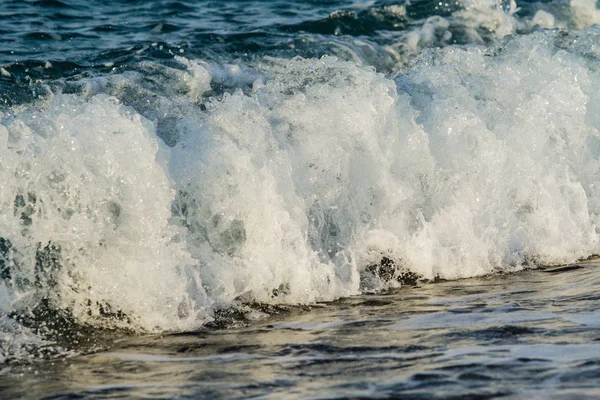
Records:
x=532, y=334
x=326, y=199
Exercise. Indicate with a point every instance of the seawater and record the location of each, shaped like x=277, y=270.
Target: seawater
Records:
x=243, y=186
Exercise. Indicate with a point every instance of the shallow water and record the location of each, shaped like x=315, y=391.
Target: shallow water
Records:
x=532, y=334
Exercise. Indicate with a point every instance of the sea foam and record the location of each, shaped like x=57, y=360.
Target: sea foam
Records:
x=471, y=161
x=290, y=188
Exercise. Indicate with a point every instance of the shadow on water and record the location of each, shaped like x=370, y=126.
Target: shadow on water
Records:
x=478, y=338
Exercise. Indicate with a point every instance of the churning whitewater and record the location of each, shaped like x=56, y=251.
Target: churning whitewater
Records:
x=297, y=180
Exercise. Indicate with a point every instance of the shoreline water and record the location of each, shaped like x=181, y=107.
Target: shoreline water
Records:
x=487, y=337
x=310, y=180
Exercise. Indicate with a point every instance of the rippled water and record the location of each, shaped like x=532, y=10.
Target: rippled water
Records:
x=358, y=199
x=532, y=334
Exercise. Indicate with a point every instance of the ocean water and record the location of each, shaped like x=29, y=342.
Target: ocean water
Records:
x=318, y=199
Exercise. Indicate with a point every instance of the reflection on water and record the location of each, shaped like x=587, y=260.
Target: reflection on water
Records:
x=522, y=335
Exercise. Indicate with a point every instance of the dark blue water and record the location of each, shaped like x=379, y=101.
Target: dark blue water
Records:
x=92, y=33
x=316, y=199
x=49, y=40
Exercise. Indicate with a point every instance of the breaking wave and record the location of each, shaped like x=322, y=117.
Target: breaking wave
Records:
x=148, y=199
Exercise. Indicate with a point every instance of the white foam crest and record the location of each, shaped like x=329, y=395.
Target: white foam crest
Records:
x=479, y=22
x=87, y=210
x=475, y=22
x=496, y=17
x=480, y=162
x=584, y=13
x=198, y=78
x=575, y=14
x=472, y=160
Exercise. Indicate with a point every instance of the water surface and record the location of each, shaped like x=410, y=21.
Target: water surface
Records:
x=314, y=200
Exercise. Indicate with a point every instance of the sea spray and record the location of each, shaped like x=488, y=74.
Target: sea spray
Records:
x=87, y=208
x=476, y=160
x=141, y=204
